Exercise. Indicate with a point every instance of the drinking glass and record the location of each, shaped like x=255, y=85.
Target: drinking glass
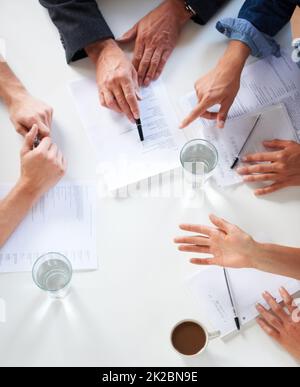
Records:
x=52, y=273
x=198, y=158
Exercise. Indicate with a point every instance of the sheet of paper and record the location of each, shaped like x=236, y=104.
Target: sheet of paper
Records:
x=209, y=288
x=273, y=124
x=266, y=82
x=124, y=159
x=62, y=221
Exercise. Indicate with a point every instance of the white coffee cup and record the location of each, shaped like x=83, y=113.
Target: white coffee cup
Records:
x=209, y=336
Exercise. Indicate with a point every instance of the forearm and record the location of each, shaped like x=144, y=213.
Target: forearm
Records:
x=235, y=56
x=14, y=208
x=278, y=260
x=10, y=86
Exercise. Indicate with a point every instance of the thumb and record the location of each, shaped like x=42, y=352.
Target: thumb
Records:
x=29, y=139
x=222, y=115
x=129, y=36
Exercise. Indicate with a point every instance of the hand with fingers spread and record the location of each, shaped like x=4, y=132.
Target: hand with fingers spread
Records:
x=282, y=322
x=228, y=245
x=42, y=167
x=116, y=78
x=220, y=86
x=280, y=166
x=155, y=37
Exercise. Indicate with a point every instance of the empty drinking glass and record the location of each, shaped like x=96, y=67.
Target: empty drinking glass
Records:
x=52, y=273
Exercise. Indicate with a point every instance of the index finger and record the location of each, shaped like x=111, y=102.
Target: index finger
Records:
x=130, y=95
x=276, y=308
x=200, y=110
x=139, y=49
x=44, y=130
x=258, y=157
x=204, y=230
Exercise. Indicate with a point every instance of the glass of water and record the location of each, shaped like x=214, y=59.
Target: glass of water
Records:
x=198, y=158
x=52, y=273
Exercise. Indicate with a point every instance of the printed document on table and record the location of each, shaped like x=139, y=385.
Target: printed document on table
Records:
x=274, y=123
x=266, y=82
x=209, y=288
x=122, y=157
x=62, y=221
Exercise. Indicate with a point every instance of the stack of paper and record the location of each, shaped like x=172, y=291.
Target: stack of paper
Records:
x=266, y=82
x=122, y=157
x=62, y=221
x=274, y=123
x=209, y=288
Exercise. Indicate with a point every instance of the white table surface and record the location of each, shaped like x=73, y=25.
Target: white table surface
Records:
x=122, y=314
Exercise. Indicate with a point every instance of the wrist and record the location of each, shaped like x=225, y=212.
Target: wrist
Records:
x=180, y=10
x=27, y=191
x=95, y=50
x=14, y=94
x=263, y=257
x=235, y=56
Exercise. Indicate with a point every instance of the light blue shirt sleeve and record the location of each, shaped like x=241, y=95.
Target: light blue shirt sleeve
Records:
x=261, y=45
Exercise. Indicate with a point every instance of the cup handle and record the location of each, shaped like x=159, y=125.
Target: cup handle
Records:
x=214, y=335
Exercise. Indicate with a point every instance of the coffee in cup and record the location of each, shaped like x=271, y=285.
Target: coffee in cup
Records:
x=190, y=338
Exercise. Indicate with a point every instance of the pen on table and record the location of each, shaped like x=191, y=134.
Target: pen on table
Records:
x=140, y=128
x=237, y=159
x=236, y=317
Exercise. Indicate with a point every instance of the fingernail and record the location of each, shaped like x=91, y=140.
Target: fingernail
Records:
x=240, y=170
x=221, y=124
x=147, y=81
x=258, y=307
x=245, y=159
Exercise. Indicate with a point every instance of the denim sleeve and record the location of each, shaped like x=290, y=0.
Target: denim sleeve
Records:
x=261, y=45
x=268, y=16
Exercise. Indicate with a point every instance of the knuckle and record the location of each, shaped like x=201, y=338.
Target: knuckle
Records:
x=281, y=167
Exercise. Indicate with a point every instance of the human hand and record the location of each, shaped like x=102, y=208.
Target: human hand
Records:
x=155, y=37
x=116, y=79
x=281, y=166
x=220, y=86
x=228, y=245
x=42, y=167
x=25, y=111
x=283, y=326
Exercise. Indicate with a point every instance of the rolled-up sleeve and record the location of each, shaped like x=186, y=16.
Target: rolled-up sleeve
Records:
x=261, y=45
x=79, y=23
x=205, y=9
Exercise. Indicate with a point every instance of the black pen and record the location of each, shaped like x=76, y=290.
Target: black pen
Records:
x=36, y=142
x=237, y=159
x=236, y=317
x=140, y=128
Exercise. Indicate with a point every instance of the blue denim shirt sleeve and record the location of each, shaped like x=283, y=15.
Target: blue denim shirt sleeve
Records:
x=261, y=45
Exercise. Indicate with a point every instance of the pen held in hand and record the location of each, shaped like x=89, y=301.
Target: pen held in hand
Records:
x=140, y=129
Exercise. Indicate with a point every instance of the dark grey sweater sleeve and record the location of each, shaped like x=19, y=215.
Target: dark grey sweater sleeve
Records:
x=79, y=23
x=205, y=9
